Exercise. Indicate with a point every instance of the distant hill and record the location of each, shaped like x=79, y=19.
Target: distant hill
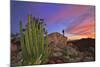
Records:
x=84, y=44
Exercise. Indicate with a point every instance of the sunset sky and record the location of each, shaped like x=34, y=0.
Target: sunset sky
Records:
x=78, y=21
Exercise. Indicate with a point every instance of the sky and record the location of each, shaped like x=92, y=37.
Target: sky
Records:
x=78, y=21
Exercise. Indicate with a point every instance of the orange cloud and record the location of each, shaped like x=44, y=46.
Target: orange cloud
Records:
x=86, y=29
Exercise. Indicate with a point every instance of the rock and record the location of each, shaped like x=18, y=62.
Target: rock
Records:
x=20, y=62
x=67, y=57
x=92, y=49
x=71, y=60
x=19, y=56
x=57, y=54
x=58, y=49
x=88, y=59
x=57, y=40
x=59, y=61
x=13, y=60
x=71, y=51
x=51, y=62
x=77, y=59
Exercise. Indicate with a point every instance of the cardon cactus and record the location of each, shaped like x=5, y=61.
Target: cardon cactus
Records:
x=34, y=43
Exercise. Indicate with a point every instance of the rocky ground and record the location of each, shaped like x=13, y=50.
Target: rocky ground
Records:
x=71, y=54
x=64, y=51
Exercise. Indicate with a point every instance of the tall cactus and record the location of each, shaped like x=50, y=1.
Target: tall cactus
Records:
x=34, y=45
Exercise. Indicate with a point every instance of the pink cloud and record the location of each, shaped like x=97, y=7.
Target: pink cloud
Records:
x=86, y=28
x=65, y=13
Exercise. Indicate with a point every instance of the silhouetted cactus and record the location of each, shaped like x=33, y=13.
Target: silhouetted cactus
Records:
x=34, y=45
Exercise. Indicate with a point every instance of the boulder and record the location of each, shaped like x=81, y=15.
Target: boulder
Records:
x=57, y=54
